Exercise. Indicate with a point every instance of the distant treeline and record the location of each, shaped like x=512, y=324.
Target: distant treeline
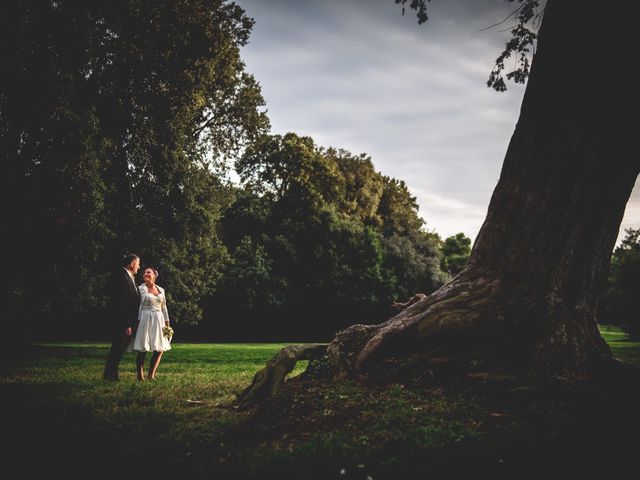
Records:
x=318, y=241
x=118, y=127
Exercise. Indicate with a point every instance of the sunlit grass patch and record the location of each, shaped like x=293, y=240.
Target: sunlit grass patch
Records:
x=621, y=347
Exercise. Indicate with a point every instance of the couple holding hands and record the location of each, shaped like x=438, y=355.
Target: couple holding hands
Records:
x=139, y=319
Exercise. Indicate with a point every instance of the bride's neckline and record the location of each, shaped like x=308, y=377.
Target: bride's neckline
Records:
x=154, y=294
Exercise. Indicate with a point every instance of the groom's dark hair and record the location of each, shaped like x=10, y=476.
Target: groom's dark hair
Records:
x=128, y=258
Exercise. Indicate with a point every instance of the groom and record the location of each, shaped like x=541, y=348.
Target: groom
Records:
x=122, y=311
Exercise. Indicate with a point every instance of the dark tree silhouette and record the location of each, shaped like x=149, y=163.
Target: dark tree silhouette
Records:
x=526, y=301
x=113, y=116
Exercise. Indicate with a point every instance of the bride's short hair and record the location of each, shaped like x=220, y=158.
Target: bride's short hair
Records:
x=154, y=269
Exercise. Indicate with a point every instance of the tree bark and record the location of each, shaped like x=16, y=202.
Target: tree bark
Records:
x=528, y=295
x=268, y=381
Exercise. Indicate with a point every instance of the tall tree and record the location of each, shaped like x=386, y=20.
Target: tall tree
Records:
x=115, y=118
x=527, y=298
x=54, y=218
x=187, y=104
x=319, y=241
x=526, y=301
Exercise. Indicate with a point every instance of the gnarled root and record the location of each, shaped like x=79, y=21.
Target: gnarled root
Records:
x=268, y=381
x=472, y=324
x=452, y=311
x=446, y=312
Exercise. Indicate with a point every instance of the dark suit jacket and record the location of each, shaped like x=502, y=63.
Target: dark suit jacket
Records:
x=124, y=302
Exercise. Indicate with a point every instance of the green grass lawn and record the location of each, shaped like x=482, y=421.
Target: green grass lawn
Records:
x=56, y=409
x=622, y=348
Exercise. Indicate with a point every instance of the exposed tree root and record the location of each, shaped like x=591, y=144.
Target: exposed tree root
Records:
x=457, y=311
x=268, y=381
x=473, y=324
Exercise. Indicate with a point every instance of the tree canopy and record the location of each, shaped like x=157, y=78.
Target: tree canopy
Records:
x=119, y=122
x=115, y=117
x=455, y=253
x=318, y=240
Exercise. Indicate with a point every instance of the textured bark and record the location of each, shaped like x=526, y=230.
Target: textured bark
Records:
x=528, y=296
x=268, y=381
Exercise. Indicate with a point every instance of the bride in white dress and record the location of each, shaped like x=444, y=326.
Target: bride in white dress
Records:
x=153, y=317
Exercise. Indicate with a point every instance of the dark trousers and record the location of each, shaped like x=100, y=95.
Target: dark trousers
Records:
x=118, y=346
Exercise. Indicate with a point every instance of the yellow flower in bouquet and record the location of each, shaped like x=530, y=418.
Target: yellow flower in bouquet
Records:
x=167, y=332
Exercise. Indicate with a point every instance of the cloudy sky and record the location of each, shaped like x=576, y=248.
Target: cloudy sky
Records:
x=356, y=74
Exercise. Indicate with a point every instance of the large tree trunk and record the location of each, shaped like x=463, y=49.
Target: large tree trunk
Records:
x=527, y=298
x=528, y=295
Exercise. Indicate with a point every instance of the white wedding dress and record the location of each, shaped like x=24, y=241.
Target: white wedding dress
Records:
x=151, y=320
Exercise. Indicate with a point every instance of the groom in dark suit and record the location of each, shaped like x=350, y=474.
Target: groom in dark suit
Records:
x=122, y=312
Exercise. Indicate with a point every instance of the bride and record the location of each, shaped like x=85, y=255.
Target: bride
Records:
x=152, y=318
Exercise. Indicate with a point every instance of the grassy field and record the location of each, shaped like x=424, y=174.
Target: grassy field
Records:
x=61, y=417
x=621, y=346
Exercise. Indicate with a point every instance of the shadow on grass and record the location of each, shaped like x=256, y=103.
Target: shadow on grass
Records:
x=84, y=428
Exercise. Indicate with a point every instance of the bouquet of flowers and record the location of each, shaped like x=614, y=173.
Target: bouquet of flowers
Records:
x=167, y=332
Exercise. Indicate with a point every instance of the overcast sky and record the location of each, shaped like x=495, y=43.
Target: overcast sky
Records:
x=356, y=74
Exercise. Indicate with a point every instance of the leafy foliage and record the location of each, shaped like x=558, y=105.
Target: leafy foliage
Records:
x=419, y=6
x=114, y=117
x=455, y=253
x=521, y=44
x=117, y=124
x=319, y=241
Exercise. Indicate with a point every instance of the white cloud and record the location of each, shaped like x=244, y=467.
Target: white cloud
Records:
x=631, y=214
x=455, y=215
